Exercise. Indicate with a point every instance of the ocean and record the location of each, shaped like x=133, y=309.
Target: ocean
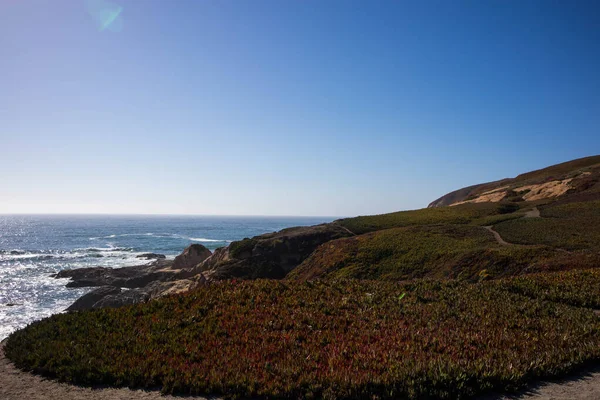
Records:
x=33, y=247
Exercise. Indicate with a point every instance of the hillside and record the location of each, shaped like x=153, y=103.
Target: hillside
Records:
x=571, y=177
x=551, y=225
x=443, y=302
x=547, y=226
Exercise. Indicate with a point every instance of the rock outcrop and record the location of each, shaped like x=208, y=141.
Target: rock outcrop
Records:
x=270, y=255
x=191, y=256
x=90, y=299
x=126, y=277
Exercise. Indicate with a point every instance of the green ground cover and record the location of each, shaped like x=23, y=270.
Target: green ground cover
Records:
x=578, y=288
x=568, y=226
x=462, y=214
x=340, y=339
x=436, y=251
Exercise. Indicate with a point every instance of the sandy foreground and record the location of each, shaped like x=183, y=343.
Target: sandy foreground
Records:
x=19, y=385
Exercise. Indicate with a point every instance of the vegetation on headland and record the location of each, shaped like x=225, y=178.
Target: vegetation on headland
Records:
x=354, y=317
x=568, y=226
x=463, y=214
x=325, y=339
x=580, y=288
x=435, y=251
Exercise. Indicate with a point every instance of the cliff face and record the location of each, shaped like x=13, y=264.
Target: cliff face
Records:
x=572, y=177
x=271, y=255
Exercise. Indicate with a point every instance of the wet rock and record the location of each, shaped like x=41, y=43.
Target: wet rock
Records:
x=151, y=256
x=88, y=300
x=128, y=277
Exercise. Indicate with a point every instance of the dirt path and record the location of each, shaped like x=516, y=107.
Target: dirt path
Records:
x=582, y=386
x=346, y=229
x=19, y=385
x=497, y=236
x=533, y=213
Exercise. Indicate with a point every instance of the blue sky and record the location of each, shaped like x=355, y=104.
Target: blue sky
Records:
x=331, y=108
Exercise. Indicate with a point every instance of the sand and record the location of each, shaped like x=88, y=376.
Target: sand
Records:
x=582, y=386
x=545, y=190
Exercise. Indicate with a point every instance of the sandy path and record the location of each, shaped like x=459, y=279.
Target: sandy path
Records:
x=583, y=386
x=18, y=385
x=497, y=236
x=346, y=229
x=533, y=213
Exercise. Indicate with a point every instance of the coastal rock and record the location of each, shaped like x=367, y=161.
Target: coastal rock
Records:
x=88, y=301
x=191, y=256
x=160, y=289
x=126, y=277
x=124, y=298
x=271, y=255
x=108, y=296
x=152, y=256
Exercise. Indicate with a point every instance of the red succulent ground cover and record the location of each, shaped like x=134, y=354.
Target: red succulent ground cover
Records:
x=338, y=339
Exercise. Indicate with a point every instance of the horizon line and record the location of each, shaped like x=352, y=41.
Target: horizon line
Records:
x=169, y=215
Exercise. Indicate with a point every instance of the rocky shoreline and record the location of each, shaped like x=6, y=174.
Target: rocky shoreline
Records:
x=271, y=255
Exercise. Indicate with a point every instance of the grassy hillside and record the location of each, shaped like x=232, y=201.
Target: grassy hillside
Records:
x=434, y=251
x=464, y=214
x=345, y=339
x=568, y=226
x=451, y=242
x=557, y=171
x=580, y=288
x=582, y=174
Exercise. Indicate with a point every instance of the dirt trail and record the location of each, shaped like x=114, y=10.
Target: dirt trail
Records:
x=582, y=386
x=497, y=236
x=533, y=213
x=346, y=229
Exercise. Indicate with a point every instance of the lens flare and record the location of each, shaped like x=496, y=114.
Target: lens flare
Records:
x=106, y=15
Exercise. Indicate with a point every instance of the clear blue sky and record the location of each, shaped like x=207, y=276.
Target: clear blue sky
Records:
x=287, y=107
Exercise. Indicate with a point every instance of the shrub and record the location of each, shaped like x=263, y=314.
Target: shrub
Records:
x=242, y=248
x=507, y=208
